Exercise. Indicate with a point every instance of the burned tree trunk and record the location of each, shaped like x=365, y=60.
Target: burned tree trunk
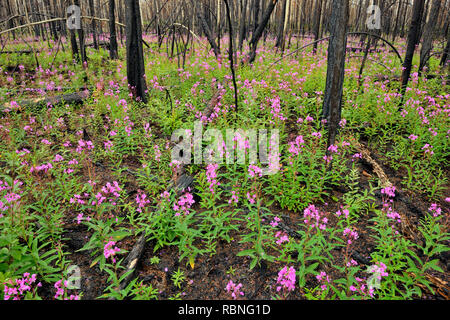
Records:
x=259, y=31
x=317, y=23
x=93, y=24
x=280, y=35
x=413, y=39
x=428, y=35
x=395, y=29
x=113, y=50
x=135, y=52
x=230, y=54
x=332, y=103
x=445, y=59
x=242, y=26
x=209, y=35
x=81, y=38
x=73, y=43
x=255, y=15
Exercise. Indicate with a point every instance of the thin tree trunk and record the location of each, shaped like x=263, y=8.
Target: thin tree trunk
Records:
x=413, y=39
x=428, y=35
x=280, y=34
x=242, y=26
x=445, y=55
x=113, y=49
x=332, y=103
x=135, y=52
x=317, y=23
x=259, y=31
x=93, y=24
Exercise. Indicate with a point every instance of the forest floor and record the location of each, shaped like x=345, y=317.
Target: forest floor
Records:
x=80, y=179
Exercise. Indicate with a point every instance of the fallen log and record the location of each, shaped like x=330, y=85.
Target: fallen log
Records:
x=131, y=261
x=70, y=98
x=101, y=44
x=357, y=49
x=434, y=76
x=18, y=52
x=384, y=77
x=408, y=229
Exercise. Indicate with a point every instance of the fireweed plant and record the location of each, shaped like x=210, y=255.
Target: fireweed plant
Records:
x=103, y=169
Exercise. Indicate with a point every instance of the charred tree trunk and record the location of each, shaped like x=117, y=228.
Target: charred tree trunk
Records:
x=135, y=52
x=80, y=32
x=230, y=55
x=73, y=43
x=259, y=31
x=280, y=34
x=395, y=30
x=332, y=103
x=208, y=33
x=317, y=23
x=256, y=6
x=413, y=39
x=93, y=24
x=428, y=35
x=113, y=49
x=445, y=55
x=242, y=26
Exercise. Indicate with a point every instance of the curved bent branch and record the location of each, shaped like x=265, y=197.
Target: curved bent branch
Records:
x=54, y=20
x=379, y=63
x=327, y=38
x=380, y=38
x=192, y=32
x=295, y=51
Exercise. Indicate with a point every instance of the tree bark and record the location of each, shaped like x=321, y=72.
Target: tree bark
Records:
x=413, y=39
x=317, y=23
x=113, y=49
x=428, y=35
x=135, y=52
x=259, y=31
x=280, y=34
x=445, y=55
x=332, y=103
x=93, y=24
x=242, y=26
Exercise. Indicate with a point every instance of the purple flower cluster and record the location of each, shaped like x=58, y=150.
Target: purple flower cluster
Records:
x=350, y=235
x=211, y=175
x=110, y=251
x=17, y=289
x=141, y=200
x=253, y=171
x=324, y=279
x=314, y=217
x=60, y=290
x=295, y=147
x=286, y=279
x=388, y=201
x=183, y=204
x=235, y=289
x=435, y=210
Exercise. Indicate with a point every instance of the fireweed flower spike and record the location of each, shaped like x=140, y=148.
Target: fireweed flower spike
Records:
x=109, y=251
x=234, y=289
x=286, y=279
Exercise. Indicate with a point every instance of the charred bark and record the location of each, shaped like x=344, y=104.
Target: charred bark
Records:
x=135, y=52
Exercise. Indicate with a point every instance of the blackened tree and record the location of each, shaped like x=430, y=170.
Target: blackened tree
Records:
x=332, y=103
x=135, y=52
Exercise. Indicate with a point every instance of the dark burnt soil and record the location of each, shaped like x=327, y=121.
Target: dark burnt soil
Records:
x=210, y=275
x=208, y=278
